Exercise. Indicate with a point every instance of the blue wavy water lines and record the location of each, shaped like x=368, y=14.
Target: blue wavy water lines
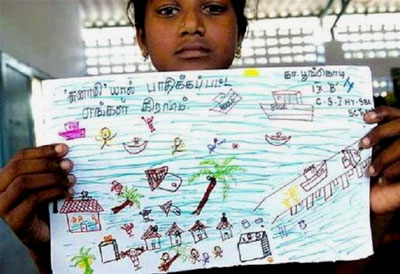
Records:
x=65, y=117
x=315, y=148
x=353, y=248
x=335, y=230
x=205, y=122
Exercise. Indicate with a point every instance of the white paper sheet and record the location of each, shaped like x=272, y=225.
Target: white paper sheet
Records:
x=272, y=152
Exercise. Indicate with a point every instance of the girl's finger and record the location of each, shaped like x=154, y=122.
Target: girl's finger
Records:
x=384, y=160
x=17, y=168
x=26, y=184
x=385, y=198
x=392, y=172
x=47, y=151
x=21, y=216
x=381, y=113
x=381, y=132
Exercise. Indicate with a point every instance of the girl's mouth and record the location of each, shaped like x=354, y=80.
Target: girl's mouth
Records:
x=193, y=50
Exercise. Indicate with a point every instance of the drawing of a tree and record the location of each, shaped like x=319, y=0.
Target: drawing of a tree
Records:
x=84, y=260
x=221, y=172
x=131, y=196
x=183, y=251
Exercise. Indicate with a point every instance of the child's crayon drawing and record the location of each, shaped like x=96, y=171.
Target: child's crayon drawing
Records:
x=207, y=169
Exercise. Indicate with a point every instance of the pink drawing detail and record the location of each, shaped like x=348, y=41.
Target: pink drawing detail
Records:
x=128, y=229
x=149, y=122
x=72, y=131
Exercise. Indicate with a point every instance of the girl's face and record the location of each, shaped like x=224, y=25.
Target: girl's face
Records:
x=189, y=34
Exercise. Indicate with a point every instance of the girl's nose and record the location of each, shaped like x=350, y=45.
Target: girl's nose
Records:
x=192, y=24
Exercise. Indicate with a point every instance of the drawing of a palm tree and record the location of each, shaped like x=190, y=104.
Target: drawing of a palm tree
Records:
x=221, y=172
x=183, y=251
x=84, y=260
x=131, y=196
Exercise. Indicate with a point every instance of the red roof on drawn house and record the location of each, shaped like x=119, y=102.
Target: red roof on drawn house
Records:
x=151, y=233
x=86, y=205
x=222, y=225
x=173, y=230
x=198, y=226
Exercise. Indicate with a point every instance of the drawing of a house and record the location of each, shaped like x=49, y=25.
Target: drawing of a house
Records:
x=225, y=228
x=82, y=214
x=174, y=234
x=198, y=231
x=152, y=238
x=253, y=246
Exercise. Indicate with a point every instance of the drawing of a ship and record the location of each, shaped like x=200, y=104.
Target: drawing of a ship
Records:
x=278, y=139
x=225, y=102
x=159, y=178
x=72, y=131
x=351, y=157
x=135, y=147
x=288, y=105
x=314, y=175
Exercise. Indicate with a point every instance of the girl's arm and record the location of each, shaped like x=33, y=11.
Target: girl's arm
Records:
x=31, y=179
x=385, y=167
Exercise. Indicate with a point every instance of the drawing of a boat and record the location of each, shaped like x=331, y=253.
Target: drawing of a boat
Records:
x=225, y=102
x=351, y=157
x=135, y=147
x=157, y=176
x=72, y=131
x=314, y=175
x=166, y=207
x=278, y=139
x=288, y=105
x=169, y=207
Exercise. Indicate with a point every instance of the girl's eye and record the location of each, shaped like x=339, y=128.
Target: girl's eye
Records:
x=168, y=11
x=214, y=9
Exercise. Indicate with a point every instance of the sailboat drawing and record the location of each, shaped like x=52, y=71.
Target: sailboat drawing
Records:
x=288, y=105
x=159, y=178
x=169, y=207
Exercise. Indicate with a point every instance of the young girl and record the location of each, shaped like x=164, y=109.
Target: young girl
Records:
x=176, y=35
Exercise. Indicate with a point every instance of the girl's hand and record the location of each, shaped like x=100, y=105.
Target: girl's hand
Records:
x=385, y=167
x=33, y=178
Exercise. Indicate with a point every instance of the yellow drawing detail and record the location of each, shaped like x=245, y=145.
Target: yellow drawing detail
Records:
x=105, y=137
x=251, y=73
x=179, y=146
x=291, y=197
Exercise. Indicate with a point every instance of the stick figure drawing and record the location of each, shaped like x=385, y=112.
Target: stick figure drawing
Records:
x=105, y=136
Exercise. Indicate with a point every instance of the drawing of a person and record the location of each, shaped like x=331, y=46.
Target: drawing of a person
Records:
x=134, y=254
x=164, y=261
x=206, y=258
x=105, y=136
x=178, y=146
x=128, y=229
x=117, y=187
x=217, y=251
x=194, y=255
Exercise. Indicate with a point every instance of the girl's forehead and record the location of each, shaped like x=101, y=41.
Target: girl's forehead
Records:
x=185, y=1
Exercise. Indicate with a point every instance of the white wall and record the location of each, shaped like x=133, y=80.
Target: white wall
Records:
x=44, y=34
x=380, y=67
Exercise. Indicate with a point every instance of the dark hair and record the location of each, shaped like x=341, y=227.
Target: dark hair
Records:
x=136, y=9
